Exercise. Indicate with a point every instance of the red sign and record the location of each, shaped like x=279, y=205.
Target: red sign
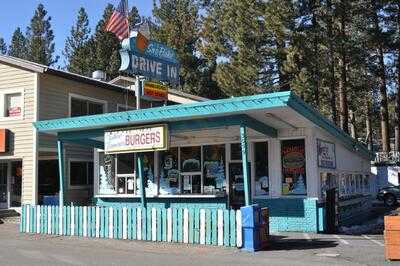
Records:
x=14, y=111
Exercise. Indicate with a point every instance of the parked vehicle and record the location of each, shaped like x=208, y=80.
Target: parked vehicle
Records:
x=389, y=195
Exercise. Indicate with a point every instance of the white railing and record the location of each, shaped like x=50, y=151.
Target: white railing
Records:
x=387, y=157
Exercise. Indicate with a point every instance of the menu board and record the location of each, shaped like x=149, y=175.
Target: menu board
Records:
x=293, y=167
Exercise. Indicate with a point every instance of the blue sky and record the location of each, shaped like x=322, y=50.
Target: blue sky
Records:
x=18, y=13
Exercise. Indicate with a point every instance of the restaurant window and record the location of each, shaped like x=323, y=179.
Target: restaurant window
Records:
x=190, y=162
x=261, y=168
x=148, y=175
x=169, y=179
x=125, y=173
x=293, y=161
x=214, y=169
x=107, y=185
x=81, y=173
x=81, y=107
x=236, y=152
x=13, y=105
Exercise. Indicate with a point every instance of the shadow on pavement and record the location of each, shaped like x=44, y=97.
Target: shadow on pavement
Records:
x=281, y=243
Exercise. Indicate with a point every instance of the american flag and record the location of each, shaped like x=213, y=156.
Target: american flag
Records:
x=118, y=22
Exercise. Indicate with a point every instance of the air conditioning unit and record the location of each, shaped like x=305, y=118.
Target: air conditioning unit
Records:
x=99, y=75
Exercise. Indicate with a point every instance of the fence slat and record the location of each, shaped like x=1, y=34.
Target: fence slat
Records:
x=180, y=225
x=134, y=223
x=214, y=226
x=226, y=228
x=139, y=224
x=153, y=224
x=196, y=226
x=208, y=227
x=185, y=226
x=202, y=227
x=148, y=224
x=238, y=229
x=191, y=225
x=159, y=223
x=169, y=225
x=232, y=217
x=220, y=227
x=174, y=225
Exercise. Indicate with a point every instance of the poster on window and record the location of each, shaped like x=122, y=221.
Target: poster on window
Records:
x=293, y=167
x=326, y=154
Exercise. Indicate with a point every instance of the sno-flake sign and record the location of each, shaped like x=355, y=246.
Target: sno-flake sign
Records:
x=326, y=154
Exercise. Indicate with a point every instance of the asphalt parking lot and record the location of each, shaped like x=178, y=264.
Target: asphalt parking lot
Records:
x=285, y=249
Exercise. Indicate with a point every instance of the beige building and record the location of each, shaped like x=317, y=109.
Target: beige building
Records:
x=30, y=92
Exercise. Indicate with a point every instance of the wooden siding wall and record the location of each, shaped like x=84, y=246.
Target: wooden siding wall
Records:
x=22, y=133
x=54, y=103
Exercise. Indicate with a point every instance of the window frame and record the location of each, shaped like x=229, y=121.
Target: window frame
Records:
x=87, y=161
x=87, y=99
x=3, y=94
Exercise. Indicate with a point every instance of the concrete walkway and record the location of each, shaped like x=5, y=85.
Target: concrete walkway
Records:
x=286, y=249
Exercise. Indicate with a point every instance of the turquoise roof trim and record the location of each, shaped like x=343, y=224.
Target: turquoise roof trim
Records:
x=207, y=109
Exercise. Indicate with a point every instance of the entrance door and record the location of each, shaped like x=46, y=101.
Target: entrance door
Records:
x=236, y=185
x=3, y=186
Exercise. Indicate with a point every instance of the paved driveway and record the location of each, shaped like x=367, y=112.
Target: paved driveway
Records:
x=286, y=249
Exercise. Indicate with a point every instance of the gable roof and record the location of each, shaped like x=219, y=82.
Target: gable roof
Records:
x=209, y=109
x=39, y=68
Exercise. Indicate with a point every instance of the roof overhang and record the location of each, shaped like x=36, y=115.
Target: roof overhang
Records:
x=229, y=111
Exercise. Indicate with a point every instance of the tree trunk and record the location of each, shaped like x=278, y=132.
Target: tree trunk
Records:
x=384, y=114
x=397, y=100
x=343, y=106
x=368, y=127
x=316, y=74
x=283, y=77
x=353, y=131
x=332, y=84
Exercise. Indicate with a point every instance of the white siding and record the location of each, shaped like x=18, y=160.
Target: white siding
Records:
x=22, y=134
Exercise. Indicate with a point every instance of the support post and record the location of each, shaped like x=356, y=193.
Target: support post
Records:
x=139, y=158
x=246, y=179
x=61, y=170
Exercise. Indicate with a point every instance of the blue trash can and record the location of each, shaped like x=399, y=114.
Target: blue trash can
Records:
x=255, y=227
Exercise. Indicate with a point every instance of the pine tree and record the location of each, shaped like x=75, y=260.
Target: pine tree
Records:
x=41, y=38
x=233, y=38
x=79, y=36
x=177, y=24
x=3, y=47
x=18, y=47
x=133, y=17
x=76, y=48
x=104, y=46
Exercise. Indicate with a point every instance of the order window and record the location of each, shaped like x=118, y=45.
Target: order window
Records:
x=81, y=107
x=81, y=173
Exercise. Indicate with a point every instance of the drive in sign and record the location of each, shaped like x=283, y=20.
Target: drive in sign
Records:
x=149, y=58
x=141, y=139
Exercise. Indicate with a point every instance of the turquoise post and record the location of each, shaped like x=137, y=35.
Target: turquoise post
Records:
x=60, y=149
x=140, y=175
x=246, y=178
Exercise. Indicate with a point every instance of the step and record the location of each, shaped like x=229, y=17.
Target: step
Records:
x=5, y=213
x=10, y=220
